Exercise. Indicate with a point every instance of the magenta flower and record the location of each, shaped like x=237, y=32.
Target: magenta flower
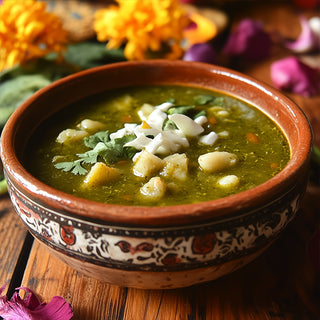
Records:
x=291, y=74
x=249, y=41
x=202, y=52
x=309, y=38
x=31, y=308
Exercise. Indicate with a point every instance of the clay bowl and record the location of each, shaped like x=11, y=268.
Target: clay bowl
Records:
x=157, y=247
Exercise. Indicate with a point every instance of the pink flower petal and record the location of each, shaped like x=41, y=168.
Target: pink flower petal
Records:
x=307, y=40
x=249, y=41
x=291, y=74
x=201, y=52
x=30, y=308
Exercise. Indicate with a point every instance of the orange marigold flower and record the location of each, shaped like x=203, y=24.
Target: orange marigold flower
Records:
x=28, y=31
x=143, y=26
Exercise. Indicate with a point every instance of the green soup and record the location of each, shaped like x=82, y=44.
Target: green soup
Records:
x=157, y=145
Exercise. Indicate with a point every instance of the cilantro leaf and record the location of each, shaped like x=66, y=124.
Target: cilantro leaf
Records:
x=180, y=109
x=169, y=125
x=116, y=151
x=219, y=101
x=73, y=166
x=199, y=114
x=202, y=99
x=93, y=140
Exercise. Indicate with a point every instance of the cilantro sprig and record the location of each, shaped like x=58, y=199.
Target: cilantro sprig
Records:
x=110, y=150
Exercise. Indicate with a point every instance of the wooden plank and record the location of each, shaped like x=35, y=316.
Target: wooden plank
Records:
x=281, y=284
x=12, y=238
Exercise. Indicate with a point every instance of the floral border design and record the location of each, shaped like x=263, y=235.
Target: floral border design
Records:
x=146, y=248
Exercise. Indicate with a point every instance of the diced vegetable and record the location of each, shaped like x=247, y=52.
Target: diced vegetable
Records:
x=71, y=135
x=175, y=167
x=154, y=189
x=100, y=174
x=122, y=103
x=253, y=138
x=229, y=181
x=217, y=161
x=91, y=125
x=147, y=164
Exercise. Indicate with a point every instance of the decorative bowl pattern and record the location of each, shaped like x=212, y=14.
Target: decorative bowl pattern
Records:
x=157, y=247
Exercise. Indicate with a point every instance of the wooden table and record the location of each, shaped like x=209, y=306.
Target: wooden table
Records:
x=280, y=284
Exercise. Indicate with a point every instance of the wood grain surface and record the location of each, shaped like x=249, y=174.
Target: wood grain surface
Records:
x=281, y=284
x=14, y=245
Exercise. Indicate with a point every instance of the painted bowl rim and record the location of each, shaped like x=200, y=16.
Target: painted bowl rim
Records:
x=166, y=215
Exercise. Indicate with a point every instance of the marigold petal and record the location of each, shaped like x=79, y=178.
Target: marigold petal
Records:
x=144, y=25
x=28, y=31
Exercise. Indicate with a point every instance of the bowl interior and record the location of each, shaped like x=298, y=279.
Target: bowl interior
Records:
x=68, y=90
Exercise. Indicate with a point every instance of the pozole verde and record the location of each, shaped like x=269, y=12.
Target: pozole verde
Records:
x=157, y=145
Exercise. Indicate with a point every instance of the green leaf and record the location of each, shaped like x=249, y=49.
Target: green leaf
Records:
x=73, y=166
x=202, y=99
x=78, y=169
x=199, y=114
x=91, y=156
x=219, y=101
x=20, y=82
x=15, y=91
x=180, y=109
x=169, y=125
x=92, y=54
x=116, y=151
x=93, y=140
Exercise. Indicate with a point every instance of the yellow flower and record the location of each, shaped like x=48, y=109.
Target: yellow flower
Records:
x=143, y=26
x=27, y=31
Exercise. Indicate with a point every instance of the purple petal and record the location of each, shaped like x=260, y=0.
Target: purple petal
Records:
x=292, y=75
x=10, y=310
x=31, y=301
x=307, y=40
x=249, y=41
x=56, y=309
x=313, y=250
x=201, y=52
x=30, y=307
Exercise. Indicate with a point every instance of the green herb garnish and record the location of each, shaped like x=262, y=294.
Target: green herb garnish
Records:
x=102, y=146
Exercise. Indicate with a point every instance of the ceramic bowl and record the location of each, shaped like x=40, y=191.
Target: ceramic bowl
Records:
x=157, y=247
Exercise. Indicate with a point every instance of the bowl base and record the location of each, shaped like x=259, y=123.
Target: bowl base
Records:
x=151, y=279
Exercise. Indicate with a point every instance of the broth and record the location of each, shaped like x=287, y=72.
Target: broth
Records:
x=252, y=148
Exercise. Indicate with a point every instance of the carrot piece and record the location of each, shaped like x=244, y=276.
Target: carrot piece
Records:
x=253, y=138
x=127, y=118
x=274, y=165
x=127, y=197
x=212, y=120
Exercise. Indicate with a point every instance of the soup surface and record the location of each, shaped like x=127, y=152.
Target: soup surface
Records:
x=157, y=145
